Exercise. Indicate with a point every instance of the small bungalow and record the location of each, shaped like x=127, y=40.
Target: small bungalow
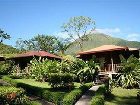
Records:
x=109, y=57
x=23, y=59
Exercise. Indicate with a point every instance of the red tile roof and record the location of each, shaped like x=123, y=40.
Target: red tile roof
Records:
x=36, y=53
x=103, y=48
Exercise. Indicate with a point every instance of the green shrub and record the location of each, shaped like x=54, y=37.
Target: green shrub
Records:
x=98, y=99
x=28, y=88
x=101, y=90
x=75, y=94
x=138, y=95
x=12, y=96
x=86, y=86
x=41, y=68
x=57, y=80
x=72, y=97
x=55, y=97
x=130, y=72
x=52, y=95
x=5, y=67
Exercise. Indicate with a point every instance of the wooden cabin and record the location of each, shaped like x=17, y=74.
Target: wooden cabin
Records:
x=109, y=57
x=24, y=59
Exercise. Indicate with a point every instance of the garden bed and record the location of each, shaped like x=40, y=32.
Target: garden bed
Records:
x=44, y=90
x=10, y=95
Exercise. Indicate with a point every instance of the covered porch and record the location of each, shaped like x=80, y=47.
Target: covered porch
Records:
x=108, y=56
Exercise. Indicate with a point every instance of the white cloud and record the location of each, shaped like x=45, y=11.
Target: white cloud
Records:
x=133, y=37
x=64, y=35
x=108, y=31
x=115, y=32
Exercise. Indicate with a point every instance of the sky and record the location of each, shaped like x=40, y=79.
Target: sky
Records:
x=27, y=18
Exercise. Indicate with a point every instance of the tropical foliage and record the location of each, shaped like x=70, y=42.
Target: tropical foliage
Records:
x=130, y=73
x=5, y=67
x=86, y=70
x=57, y=80
x=63, y=73
x=40, y=68
x=12, y=96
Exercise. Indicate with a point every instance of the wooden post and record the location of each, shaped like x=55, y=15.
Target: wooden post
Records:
x=112, y=63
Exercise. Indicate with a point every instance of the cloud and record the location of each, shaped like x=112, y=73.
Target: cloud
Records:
x=108, y=31
x=115, y=32
x=133, y=37
x=64, y=35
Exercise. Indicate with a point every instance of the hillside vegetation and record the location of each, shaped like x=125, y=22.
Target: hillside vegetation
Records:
x=7, y=50
x=98, y=39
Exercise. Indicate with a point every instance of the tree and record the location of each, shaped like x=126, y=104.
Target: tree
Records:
x=3, y=36
x=63, y=45
x=39, y=42
x=20, y=44
x=79, y=27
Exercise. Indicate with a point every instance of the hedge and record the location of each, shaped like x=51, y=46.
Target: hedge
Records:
x=98, y=99
x=12, y=96
x=58, y=80
x=52, y=96
x=56, y=97
x=75, y=94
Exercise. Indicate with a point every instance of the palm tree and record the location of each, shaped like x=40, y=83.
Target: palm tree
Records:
x=63, y=45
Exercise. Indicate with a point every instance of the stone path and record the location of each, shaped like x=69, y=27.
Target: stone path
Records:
x=85, y=99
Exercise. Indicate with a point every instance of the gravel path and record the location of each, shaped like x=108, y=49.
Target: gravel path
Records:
x=85, y=99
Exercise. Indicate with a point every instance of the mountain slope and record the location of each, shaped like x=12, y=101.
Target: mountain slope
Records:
x=98, y=39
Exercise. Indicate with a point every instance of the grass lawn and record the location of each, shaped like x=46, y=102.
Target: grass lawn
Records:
x=41, y=84
x=123, y=97
x=34, y=83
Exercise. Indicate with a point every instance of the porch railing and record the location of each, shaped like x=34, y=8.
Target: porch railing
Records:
x=109, y=68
